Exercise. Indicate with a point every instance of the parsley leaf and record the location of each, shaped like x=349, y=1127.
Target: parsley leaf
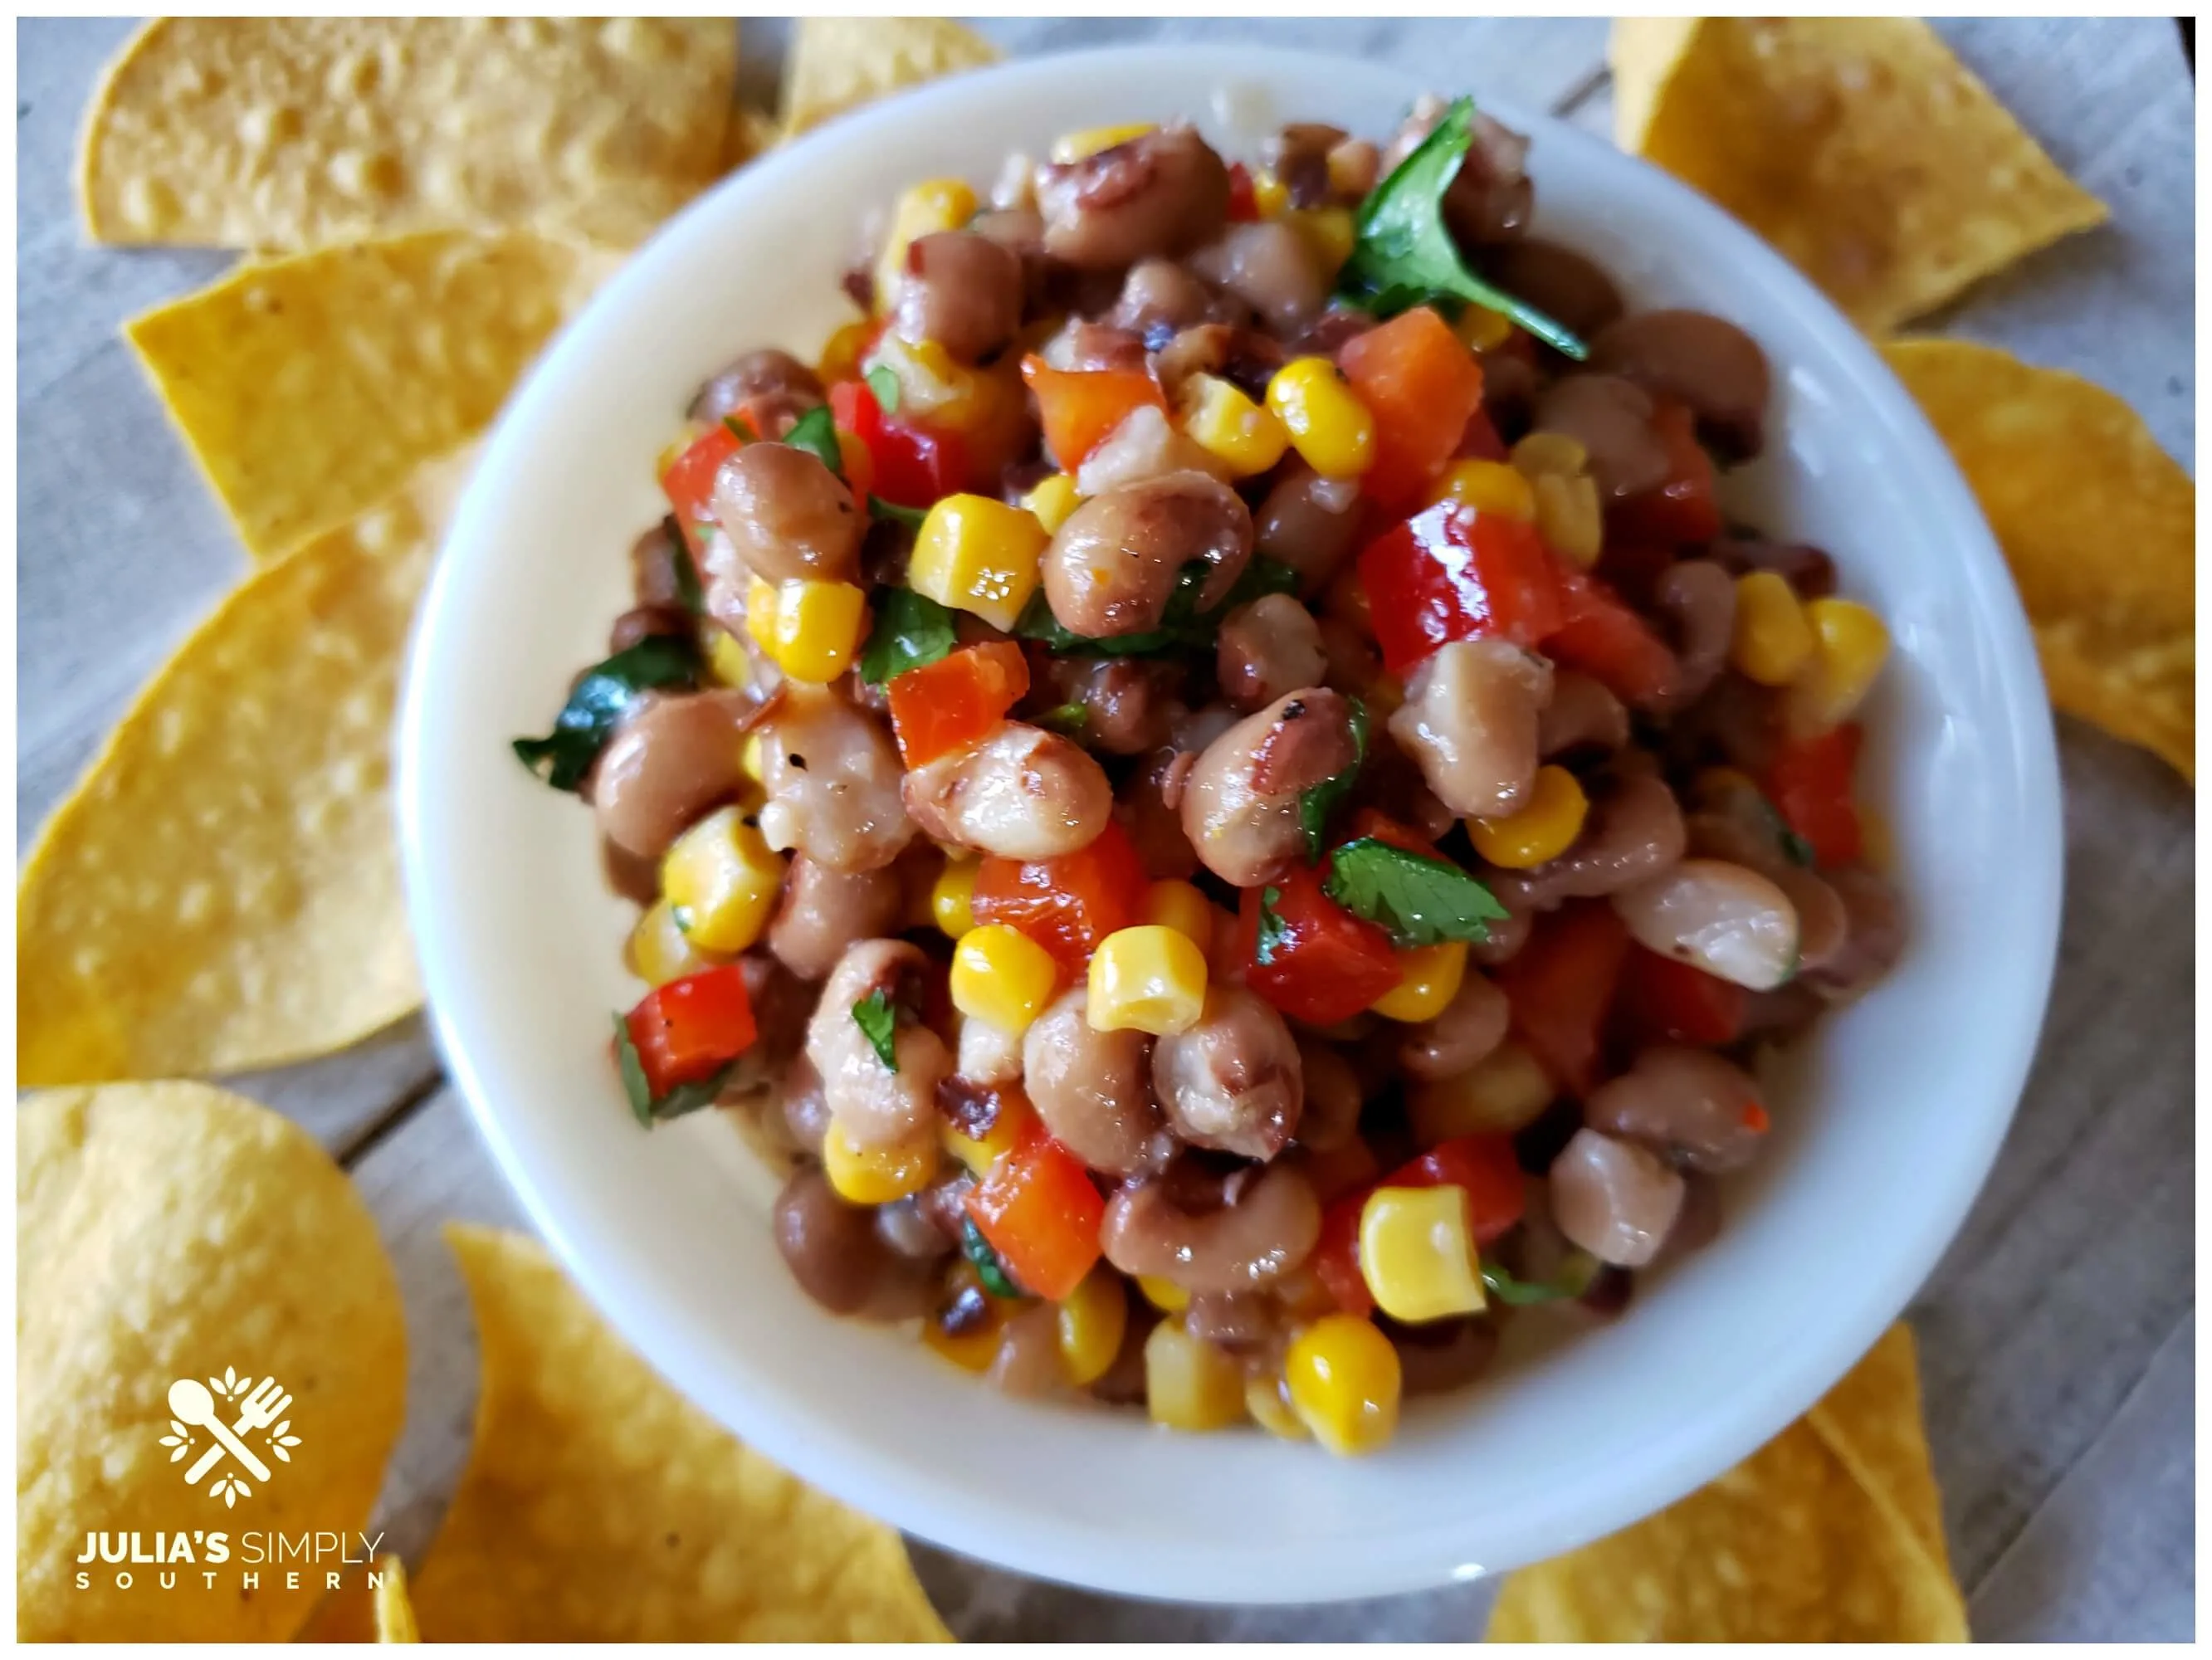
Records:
x=1402, y=254
x=884, y=381
x=564, y=755
x=689, y=592
x=1274, y=932
x=1317, y=801
x=816, y=434
x=1574, y=1279
x=911, y=631
x=910, y=517
x=1797, y=849
x=1182, y=627
x=683, y=1099
x=988, y=1267
x=878, y=1023
x=738, y=430
x=1070, y=719
x=1422, y=901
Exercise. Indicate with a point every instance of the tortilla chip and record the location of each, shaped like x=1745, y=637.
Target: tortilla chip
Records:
x=284, y=134
x=838, y=64
x=600, y=1506
x=1829, y=1533
x=310, y=389
x=222, y=891
x=2097, y=523
x=752, y=132
x=1858, y=146
x=395, y=1614
x=170, y=1233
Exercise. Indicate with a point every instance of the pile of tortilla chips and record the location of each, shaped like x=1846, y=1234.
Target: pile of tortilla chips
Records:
x=433, y=199
x=1877, y=163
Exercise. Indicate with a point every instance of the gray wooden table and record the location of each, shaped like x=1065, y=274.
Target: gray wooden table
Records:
x=2058, y=1335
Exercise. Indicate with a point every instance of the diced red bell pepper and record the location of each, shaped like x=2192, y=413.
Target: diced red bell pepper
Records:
x=1326, y=964
x=1665, y=1001
x=1809, y=782
x=912, y=466
x=953, y=703
x=1077, y=407
x=1036, y=1208
x=685, y=1030
x=1479, y=440
x=1422, y=386
x=1335, y=1259
x=1449, y=574
x=1601, y=636
x=688, y=480
x=1560, y=986
x=1243, y=204
x=1066, y=904
x=1682, y=509
x=1484, y=1168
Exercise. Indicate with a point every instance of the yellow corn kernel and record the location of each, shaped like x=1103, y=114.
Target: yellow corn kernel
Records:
x=973, y=1350
x=721, y=881
x=1506, y=1091
x=1190, y=1384
x=1417, y=1253
x=815, y=629
x=1271, y=196
x=1016, y=1122
x=1221, y=421
x=841, y=352
x=726, y=658
x=1487, y=487
x=952, y=897
x=876, y=1176
x=1268, y=1401
x=1428, y=979
x=1540, y=453
x=1074, y=146
x=760, y=612
x=1002, y=976
x=1182, y=907
x=978, y=556
x=1343, y=1379
x=1164, y=1295
x=1092, y=1320
x=1481, y=328
x=1148, y=978
x=1329, y=232
x=1773, y=640
x=749, y=762
x=1543, y=829
x=1328, y=425
x=1850, y=644
x=659, y=952
x=935, y=204
x=1568, y=517
x=1052, y=501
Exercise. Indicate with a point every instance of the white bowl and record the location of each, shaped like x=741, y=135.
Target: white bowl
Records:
x=1881, y=1141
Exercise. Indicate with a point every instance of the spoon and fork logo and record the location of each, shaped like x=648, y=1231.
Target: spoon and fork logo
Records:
x=194, y=1405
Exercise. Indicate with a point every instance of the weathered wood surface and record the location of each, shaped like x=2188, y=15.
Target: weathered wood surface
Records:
x=2058, y=1335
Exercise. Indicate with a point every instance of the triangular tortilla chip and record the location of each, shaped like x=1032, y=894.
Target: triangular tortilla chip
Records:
x=838, y=64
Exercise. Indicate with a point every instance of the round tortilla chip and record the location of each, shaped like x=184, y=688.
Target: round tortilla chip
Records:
x=221, y=892
x=1860, y=147
x=289, y=133
x=838, y=64
x=168, y=1232
x=1792, y=1546
x=2097, y=523
x=600, y=1506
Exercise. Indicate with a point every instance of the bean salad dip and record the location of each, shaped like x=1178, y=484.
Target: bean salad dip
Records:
x=1215, y=783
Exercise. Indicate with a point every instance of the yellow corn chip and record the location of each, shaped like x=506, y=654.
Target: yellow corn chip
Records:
x=284, y=134
x=222, y=891
x=2098, y=524
x=310, y=389
x=752, y=132
x=179, y=1250
x=395, y=1614
x=838, y=64
x=601, y=1506
x=1829, y=1533
x=1858, y=146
